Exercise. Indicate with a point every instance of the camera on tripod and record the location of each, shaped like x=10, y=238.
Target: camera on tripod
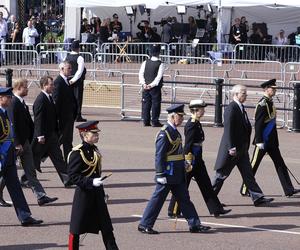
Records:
x=162, y=22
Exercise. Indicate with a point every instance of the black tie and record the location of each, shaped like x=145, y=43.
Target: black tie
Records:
x=245, y=114
x=51, y=99
x=25, y=106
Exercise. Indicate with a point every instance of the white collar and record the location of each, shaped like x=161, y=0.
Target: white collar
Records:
x=20, y=98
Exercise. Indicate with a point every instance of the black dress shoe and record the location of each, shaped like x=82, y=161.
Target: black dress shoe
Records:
x=24, y=184
x=199, y=229
x=80, y=119
x=224, y=211
x=147, y=125
x=262, y=201
x=30, y=222
x=45, y=200
x=295, y=191
x=158, y=124
x=147, y=230
x=3, y=203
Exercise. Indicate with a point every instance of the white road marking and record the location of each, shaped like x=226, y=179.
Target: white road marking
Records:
x=234, y=226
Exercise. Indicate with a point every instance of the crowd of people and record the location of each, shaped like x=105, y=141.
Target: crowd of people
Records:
x=55, y=110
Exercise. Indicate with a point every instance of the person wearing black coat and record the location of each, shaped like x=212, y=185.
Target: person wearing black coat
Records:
x=89, y=210
x=45, y=137
x=66, y=107
x=234, y=146
x=266, y=139
x=194, y=137
x=20, y=116
x=8, y=168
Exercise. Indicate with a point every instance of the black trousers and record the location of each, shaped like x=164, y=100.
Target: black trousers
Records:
x=151, y=101
x=66, y=136
x=51, y=148
x=78, y=93
x=279, y=164
x=242, y=161
x=201, y=176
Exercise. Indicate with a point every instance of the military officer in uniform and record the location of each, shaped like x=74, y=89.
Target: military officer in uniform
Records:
x=89, y=210
x=195, y=166
x=266, y=139
x=151, y=78
x=170, y=176
x=8, y=169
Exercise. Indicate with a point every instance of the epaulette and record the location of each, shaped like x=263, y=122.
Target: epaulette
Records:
x=76, y=148
x=263, y=102
x=164, y=127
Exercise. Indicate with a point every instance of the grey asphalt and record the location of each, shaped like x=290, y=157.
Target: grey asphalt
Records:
x=128, y=152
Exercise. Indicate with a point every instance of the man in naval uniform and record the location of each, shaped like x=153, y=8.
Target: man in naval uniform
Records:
x=170, y=176
x=266, y=139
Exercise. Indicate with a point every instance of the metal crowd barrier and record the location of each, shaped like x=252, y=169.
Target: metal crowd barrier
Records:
x=281, y=53
x=212, y=50
x=132, y=48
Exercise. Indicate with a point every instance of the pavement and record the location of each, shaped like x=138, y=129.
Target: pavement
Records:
x=128, y=153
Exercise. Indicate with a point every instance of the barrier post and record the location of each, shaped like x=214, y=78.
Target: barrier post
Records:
x=9, y=74
x=296, y=108
x=218, y=103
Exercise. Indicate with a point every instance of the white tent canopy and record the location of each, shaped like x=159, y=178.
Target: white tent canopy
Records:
x=277, y=14
x=156, y=3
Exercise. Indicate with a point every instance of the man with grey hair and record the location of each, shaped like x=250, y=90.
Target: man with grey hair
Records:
x=234, y=146
x=66, y=107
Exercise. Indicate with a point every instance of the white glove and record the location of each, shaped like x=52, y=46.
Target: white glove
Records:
x=260, y=145
x=188, y=166
x=97, y=182
x=161, y=180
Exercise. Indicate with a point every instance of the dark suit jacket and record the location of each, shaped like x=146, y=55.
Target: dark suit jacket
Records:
x=65, y=102
x=45, y=118
x=236, y=134
x=21, y=120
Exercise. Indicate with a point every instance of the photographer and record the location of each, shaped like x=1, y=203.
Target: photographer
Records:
x=167, y=33
x=146, y=31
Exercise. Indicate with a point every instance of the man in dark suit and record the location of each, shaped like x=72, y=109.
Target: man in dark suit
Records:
x=23, y=131
x=266, y=139
x=8, y=167
x=234, y=147
x=170, y=176
x=66, y=107
x=78, y=76
x=45, y=135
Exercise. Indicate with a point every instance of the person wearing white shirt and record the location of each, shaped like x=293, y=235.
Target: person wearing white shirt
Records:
x=3, y=35
x=29, y=35
x=78, y=76
x=151, y=79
